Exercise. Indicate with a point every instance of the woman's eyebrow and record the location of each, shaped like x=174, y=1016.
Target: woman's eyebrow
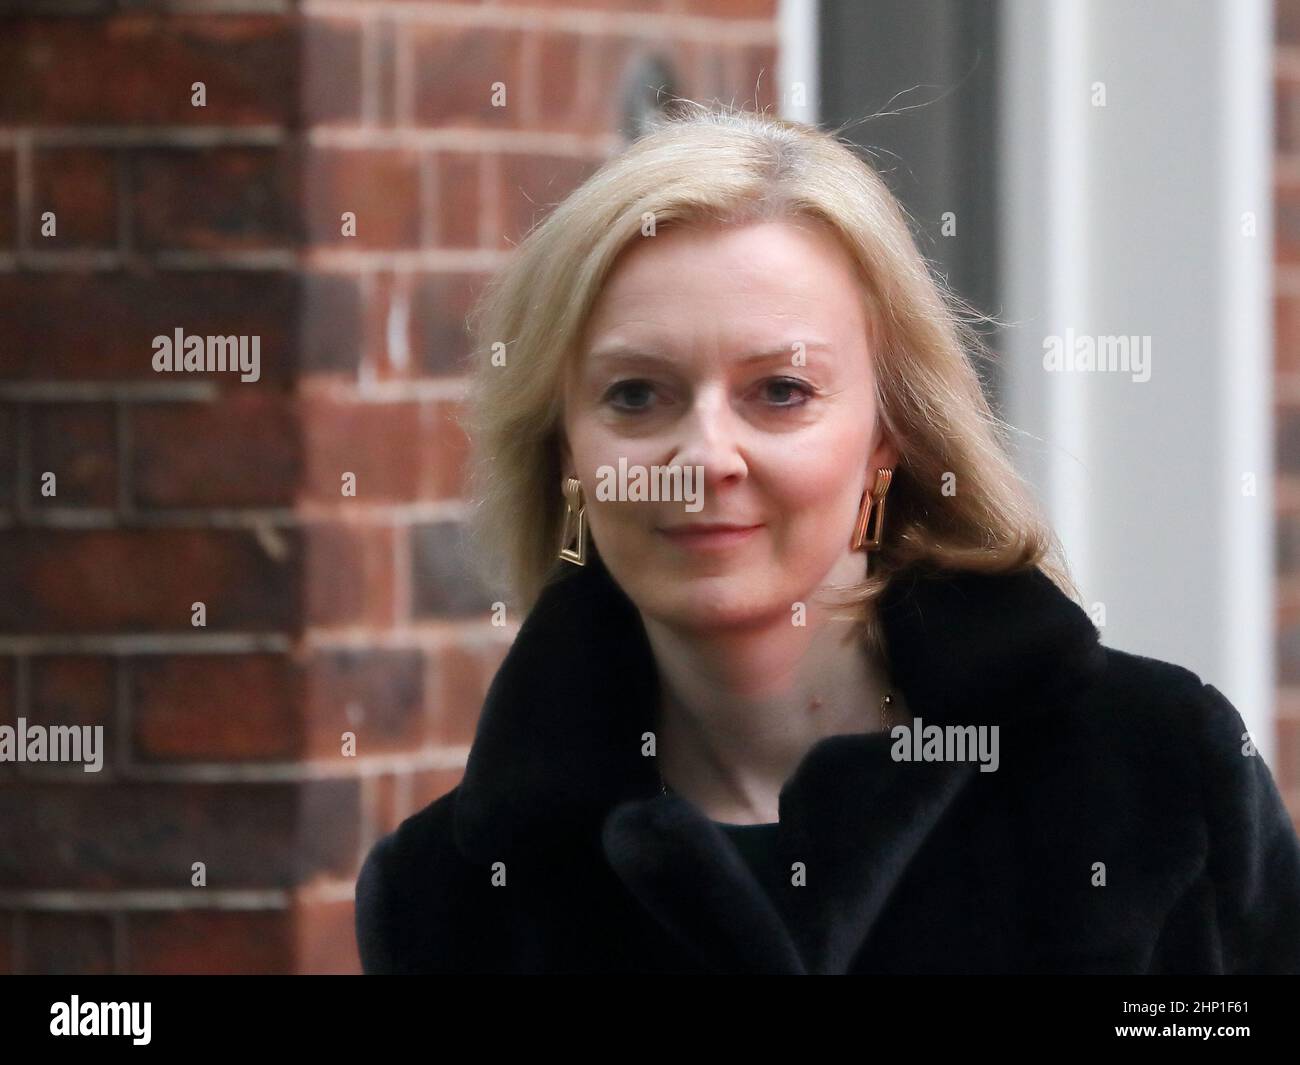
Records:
x=629, y=353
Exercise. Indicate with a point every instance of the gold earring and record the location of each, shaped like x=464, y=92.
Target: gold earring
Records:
x=872, y=501
x=575, y=512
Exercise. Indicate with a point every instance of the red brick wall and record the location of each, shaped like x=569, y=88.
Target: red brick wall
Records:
x=1286, y=766
x=325, y=613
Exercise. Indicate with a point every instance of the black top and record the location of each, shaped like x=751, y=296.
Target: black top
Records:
x=757, y=845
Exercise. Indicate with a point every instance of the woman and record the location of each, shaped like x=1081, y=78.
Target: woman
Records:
x=724, y=742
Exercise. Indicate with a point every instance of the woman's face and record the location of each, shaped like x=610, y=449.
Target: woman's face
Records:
x=742, y=351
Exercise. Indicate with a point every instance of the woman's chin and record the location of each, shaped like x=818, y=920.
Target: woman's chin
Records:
x=713, y=603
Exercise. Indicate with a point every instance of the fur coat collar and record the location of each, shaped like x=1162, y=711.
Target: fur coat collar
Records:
x=559, y=747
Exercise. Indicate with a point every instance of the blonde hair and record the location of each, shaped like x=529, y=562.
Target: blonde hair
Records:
x=716, y=164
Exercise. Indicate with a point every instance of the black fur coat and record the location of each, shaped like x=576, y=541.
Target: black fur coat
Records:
x=1126, y=829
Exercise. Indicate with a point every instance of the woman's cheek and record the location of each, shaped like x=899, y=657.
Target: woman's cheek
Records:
x=817, y=487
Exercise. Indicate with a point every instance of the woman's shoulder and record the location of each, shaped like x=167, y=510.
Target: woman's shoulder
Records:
x=422, y=838
x=1163, y=709
x=1162, y=716
x=1152, y=735
x=409, y=888
x=1144, y=691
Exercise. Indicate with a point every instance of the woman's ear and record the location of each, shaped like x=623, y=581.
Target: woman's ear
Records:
x=886, y=455
x=566, y=458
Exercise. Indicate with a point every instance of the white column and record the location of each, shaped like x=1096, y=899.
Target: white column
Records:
x=1125, y=219
x=798, y=62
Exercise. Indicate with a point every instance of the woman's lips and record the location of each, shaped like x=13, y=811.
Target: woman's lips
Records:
x=710, y=537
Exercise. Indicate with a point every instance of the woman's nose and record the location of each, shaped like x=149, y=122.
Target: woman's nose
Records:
x=710, y=436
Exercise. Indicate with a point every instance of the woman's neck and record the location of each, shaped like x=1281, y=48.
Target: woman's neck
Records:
x=739, y=709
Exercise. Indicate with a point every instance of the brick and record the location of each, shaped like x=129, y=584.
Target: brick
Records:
x=144, y=580
x=268, y=708
x=147, y=835
x=325, y=937
x=73, y=690
x=1286, y=767
x=429, y=785
x=214, y=199
x=380, y=106
x=8, y=208
x=440, y=342
x=79, y=185
x=746, y=9
x=380, y=186
x=330, y=339
x=74, y=944
x=10, y=416
x=415, y=324
x=331, y=70
x=460, y=682
x=455, y=68
x=8, y=957
x=447, y=458
x=377, y=694
x=310, y=937
x=598, y=5
x=386, y=810
x=459, y=200
x=1287, y=21
x=341, y=436
x=1287, y=559
x=398, y=452
x=531, y=187
x=444, y=581
x=1287, y=614
x=756, y=72
x=557, y=93
x=1286, y=117
x=1288, y=652
x=137, y=69
x=100, y=327
x=1286, y=248
x=1286, y=325
x=608, y=60
x=388, y=326
x=63, y=7
x=8, y=690
x=348, y=574
x=241, y=450
x=194, y=942
x=9, y=711
x=1288, y=440
x=77, y=442
x=218, y=708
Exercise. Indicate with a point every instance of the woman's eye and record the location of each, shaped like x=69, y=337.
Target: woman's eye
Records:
x=637, y=396
x=786, y=385
x=637, y=389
